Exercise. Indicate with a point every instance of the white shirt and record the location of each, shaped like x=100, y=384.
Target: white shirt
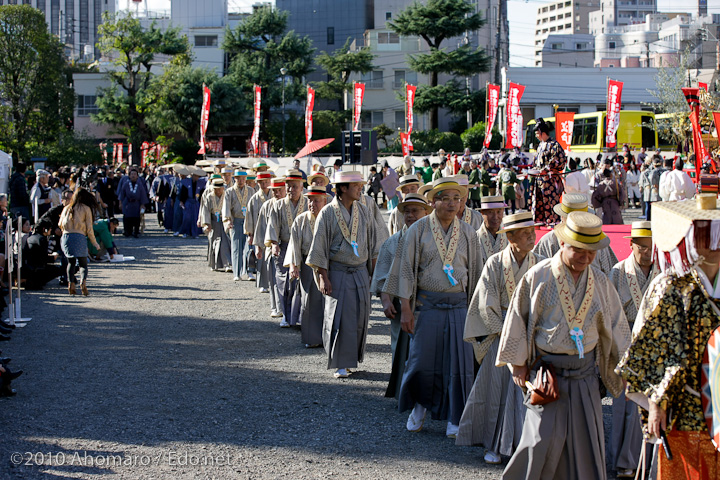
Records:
x=662, y=187
x=633, y=178
x=676, y=185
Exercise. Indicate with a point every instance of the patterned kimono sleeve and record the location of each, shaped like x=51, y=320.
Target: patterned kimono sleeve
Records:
x=260, y=227
x=318, y=256
x=249, y=225
x=227, y=216
x=513, y=348
x=272, y=231
x=408, y=258
x=484, y=320
x=655, y=364
x=613, y=327
x=557, y=159
x=204, y=212
x=293, y=256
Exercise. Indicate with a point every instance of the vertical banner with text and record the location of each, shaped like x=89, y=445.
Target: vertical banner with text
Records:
x=309, y=105
x=404, y=143
x=514, y=116
x=255, y=139
x=493, y=97
x=564, y=122
x=614, y=100
x=692, y=96
x=410, y=103
x=358, y=94
x=204, y=118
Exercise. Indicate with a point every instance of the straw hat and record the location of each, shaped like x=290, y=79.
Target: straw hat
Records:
x=425, y=188
x=293, y=174
x=414, y=199
x=640, y=229
x=571, y=202
x=492, y=201
x=196, y=170
x=322, y=176
x=445, y=183
x=351, y=176
x=314, y=191
x=180, y=169
x=517, y=221
x=220, y=163
x=408, y=180
x=218, y=182
x=264, y=176
x=206, y=169
x=226, y=170
x=260, y=164
x=250, y=177
x=462, y=179
x=239, y=173
x=278, y=182
x=582, y=230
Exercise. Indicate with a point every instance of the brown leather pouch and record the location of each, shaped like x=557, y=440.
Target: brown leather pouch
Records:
x=544, y=388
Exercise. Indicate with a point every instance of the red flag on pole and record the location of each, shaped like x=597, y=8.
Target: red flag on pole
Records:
x=514, y=116
x=309, y=105
x=404, y=143
x=703, y=86
x=358, y=94
x=493, y=97
x=410, y=100
x=204, y=117
x=565, y=122
x=698, y=144
x=255, y=139
x=614, y=101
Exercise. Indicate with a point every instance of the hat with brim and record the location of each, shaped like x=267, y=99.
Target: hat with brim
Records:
x=259, y=164
x=582, y=230
x=316, y=175
x=239, y=173
x=406, y=180
x=220, y=163
x=218, y=182
x=264, y=176
x=414, y=199
x=226, y=170
x=445, y=183
x=207, y=169
x=350, y=176
x=315, y=191
x=196, y=170
x=181, y=169
x=425, y=188
x=489, y=202
x=278, y=182
x=517, y=221
x=250, y=177
x=640, y=229
x=571, y=202
x=293, y=175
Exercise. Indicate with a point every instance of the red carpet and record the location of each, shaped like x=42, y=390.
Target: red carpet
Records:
x=620, y=245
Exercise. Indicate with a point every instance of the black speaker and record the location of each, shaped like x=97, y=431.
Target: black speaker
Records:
x=359, y=147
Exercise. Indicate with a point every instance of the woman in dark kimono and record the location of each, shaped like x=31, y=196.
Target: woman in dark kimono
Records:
x=610, y=194
x=190, y=192
x=133, y=195
x=548, y=185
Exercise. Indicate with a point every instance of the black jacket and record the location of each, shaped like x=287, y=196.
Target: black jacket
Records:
x=19, y=195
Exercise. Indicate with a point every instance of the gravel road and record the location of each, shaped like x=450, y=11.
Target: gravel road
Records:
x=169, y=370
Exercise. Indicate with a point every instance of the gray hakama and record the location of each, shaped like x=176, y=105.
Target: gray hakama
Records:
x=218, y=246
x=312, y=304
x=266, y=265
x=439, y=370
x=286, y=288
x=564, y=439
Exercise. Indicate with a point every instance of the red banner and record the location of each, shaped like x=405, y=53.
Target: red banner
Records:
x=143, y=153
x=358, y=94
x=703, y=86
x=698, y=144
x=514, y=116
x=410, y=103
x=255, y=139
x=564, y=122
x=309, y=105
x=204, y=118
x=404, y=143
x=614, y=100
x=493, y=97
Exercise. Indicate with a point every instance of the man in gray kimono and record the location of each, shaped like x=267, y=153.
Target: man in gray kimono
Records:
x=492, y=209
x=438, y=270
x=549, y=245
x=408, y=184
x=631, y=278
x=566, y=313
x=301, y=237
x=343, y=255
x=465, y=213
x=234, y=212
x=210, y=219
x=412, y=208
x=282, y=215
x=277, y=187
x=255, y=203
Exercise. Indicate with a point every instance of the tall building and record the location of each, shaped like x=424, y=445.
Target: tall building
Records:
x=618, y=13
x=74, y=22
x=565, y=17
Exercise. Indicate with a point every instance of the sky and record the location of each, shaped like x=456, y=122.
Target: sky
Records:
x=521, y=13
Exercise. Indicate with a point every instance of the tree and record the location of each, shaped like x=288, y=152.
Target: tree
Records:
x=435, y=22
x=259, y=47
x=339, y=67
x=127, y=103
x=383, y=132
x=179, y=93
x=35, y=97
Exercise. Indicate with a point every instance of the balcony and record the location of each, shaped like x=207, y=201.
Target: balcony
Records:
x=375, y=84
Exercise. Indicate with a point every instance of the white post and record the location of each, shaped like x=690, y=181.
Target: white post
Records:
x=18, y=304
x=9, y=258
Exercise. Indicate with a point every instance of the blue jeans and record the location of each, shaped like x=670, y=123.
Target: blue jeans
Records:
x=238, y=242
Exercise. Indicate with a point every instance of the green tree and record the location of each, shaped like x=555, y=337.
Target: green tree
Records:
x=432, y=141
x=179, y=93
x=259, y=47
x=126, y=104
x=436, y=21
x=474, y=137
x=36, y=100
x=383, y=132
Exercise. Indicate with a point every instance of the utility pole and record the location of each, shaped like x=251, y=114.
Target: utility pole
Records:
x=498, y=56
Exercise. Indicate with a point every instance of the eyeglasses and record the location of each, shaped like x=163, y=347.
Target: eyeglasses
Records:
x=641, y=248
x=446, y=199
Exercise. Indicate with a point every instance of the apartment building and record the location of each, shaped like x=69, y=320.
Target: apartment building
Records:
x=565, y=17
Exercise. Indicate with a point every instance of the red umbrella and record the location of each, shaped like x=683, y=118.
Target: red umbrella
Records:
x=314, y=146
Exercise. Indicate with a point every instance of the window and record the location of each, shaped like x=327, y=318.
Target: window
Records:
x=388, y=37
x=370, y=119
x=331, y=35
x=611, y=45
x=552, y=29
x=388, y=15
x=206, y=40
x=400, y=119
x=568, y=25
x=86, y=105
x=552, y=19
x=404, y=76
x=568, y=4
x=373, y=79
x=580, y=46
x=552, y=7
x=568, y=15
x=556, y=46
x=560, y=27
x=569, y=108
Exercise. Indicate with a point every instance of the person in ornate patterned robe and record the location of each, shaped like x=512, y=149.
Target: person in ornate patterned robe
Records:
x=301, y=237
x=566, y=313
x=235, y=209
x=492, y=209
x=343, y=255
x=438, y=267
x=282, y=215
x=255, y=203
x=494, y=413
x=631, y=278
x=210, y=215
x=277, y=188
x=412, y=208
x=548, y=186
x=549, y=245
